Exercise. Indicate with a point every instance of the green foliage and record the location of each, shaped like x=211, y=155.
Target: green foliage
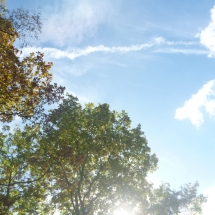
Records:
x=27, y=24
x=102, y=162
x=25, y=85
x=165, y=201
x=21, y=181
x=97, y=162
x=85, y=161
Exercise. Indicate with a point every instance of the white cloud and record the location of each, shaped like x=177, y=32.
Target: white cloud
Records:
x=209, y=206
x=203, y=99
x=75, y=53
x=207, y=36
x=182, y=51
x=72, y=21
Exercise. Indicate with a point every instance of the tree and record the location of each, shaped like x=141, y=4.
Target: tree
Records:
x=25, y=23
x=25, y=84
x=21, y=181
x=165, y=201
x=2, y=3
x=85, y=161
x=100, y=161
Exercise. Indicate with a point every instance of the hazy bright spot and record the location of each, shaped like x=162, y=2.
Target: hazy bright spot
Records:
x=121, y=211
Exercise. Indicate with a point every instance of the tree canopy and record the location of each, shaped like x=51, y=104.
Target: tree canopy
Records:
x=22, y=23
x=109, y=166
x=25, y=84
x=85, y=161
x=165, y=201
x=113, y=158
x=21, y=184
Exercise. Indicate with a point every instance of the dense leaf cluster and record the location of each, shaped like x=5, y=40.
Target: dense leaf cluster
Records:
x=84, y=161
x=25, y=84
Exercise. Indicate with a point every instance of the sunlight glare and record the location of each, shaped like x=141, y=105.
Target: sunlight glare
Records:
x=121, y=211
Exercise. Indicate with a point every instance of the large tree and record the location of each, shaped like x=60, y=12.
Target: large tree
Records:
x=85, y=161
x=101, y=163
x=25, y=84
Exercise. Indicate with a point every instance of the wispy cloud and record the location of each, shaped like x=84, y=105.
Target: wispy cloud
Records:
x=73, y=21
x=204, y=99
x=182, y=51
x=75, y=53
x=207, y=36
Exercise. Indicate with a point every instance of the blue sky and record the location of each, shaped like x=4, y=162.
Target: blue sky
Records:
x=154, y=59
